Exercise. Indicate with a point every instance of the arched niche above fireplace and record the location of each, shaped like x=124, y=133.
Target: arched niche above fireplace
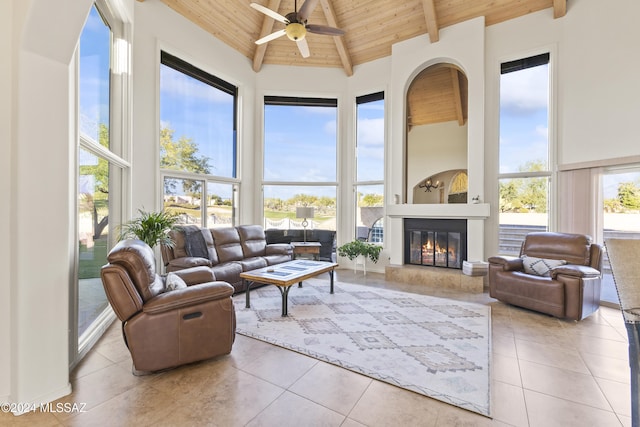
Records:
x=449, y=186
x=436, y=129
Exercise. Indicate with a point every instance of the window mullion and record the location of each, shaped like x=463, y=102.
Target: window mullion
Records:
x=97, y=149
x=535, y=174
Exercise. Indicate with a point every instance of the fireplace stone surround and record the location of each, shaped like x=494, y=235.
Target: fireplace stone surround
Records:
x=440, y=278
x=474, y=214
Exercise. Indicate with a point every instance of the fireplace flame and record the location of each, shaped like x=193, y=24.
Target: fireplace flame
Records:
x=440, y=245
x=441, y=255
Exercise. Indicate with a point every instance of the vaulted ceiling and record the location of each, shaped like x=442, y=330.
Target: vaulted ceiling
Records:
x=371, y=27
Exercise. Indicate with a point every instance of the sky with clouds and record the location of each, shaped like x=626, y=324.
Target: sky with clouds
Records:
x=202, y=113
x=94, y=72
x=524, y=123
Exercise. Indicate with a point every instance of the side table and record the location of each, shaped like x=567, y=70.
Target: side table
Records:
x=304, y=248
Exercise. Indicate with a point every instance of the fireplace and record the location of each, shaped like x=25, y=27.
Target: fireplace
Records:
x=435, y=242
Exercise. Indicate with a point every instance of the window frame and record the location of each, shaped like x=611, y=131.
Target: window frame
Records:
x=117, y=155
x=197, y=73
x=518, y=65
x=300, y=101
x=609, y=296
x=359, y=100
x=540, y=56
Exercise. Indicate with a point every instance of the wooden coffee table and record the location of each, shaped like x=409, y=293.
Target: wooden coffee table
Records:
x=285, y=275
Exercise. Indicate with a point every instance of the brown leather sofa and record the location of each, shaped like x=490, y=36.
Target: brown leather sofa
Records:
x=570, y=291
x=227, y=251
x=167, y=329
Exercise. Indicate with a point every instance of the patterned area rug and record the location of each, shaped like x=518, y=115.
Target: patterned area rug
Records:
x=432, y=346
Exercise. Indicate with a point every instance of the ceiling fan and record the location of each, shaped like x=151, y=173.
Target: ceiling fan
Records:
x=296, y=26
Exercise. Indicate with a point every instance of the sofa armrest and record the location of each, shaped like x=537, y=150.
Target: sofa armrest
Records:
x=278, y=249
x=508, y=263
x=195, y=275
x=188, y=296
x=575, y=271
x=187, y=262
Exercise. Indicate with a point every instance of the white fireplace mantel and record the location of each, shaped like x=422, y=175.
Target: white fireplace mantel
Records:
x=444, y=210
x=474, y=213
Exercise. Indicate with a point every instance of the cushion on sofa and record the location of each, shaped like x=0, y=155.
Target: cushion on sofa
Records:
x=173, y=282
x=252, y=263
x=227, y=272
x=253, y=240
x=187, y=262
x=540, y=266
x=227, y=242
x=573, y=248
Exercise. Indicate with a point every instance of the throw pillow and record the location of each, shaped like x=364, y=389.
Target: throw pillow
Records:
x=540, y=266
x=174, y=282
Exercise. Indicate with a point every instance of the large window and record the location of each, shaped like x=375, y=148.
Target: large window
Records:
x=525, y=165
x=100, y=168
x=369, y=186
x=620, y=217
x=300, y=161
x=198, y=144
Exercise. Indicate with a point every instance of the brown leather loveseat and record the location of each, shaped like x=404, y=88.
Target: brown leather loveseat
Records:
x=556, y=273
x=227, y=251
x=164, y=329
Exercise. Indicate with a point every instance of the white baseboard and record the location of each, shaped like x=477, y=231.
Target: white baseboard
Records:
x=25, y=407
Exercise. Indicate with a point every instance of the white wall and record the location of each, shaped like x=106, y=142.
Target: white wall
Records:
x=600, y=94
x=433, y=149
x=6, y=51
x=461, y=45
x=42, y=151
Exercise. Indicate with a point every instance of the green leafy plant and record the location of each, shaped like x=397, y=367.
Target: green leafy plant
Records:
x=356, y=248
x=150, y=227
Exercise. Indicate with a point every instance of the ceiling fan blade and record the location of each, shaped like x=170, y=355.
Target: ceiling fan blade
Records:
x=303, y=47
x=269, y=12
x=271, y=36
x=306, y=9
x=323, y=29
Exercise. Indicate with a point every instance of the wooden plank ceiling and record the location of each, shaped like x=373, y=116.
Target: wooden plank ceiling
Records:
x=438, y=94
x=371, y=27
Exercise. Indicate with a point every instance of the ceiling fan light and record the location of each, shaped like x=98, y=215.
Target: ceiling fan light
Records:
x=295, y=31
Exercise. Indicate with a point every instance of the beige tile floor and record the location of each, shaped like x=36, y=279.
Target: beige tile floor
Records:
x=545, y=372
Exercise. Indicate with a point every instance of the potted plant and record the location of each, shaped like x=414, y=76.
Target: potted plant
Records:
x=150, y=227
x=357, y=248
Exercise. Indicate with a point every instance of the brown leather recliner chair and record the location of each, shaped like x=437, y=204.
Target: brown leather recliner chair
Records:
x=167, y=329
x=570, y=290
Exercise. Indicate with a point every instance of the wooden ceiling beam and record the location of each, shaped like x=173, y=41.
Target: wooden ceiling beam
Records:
x=343, y=52
x=432, y=20
x=267, y=28
x=457, y=96
x=559, y=8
